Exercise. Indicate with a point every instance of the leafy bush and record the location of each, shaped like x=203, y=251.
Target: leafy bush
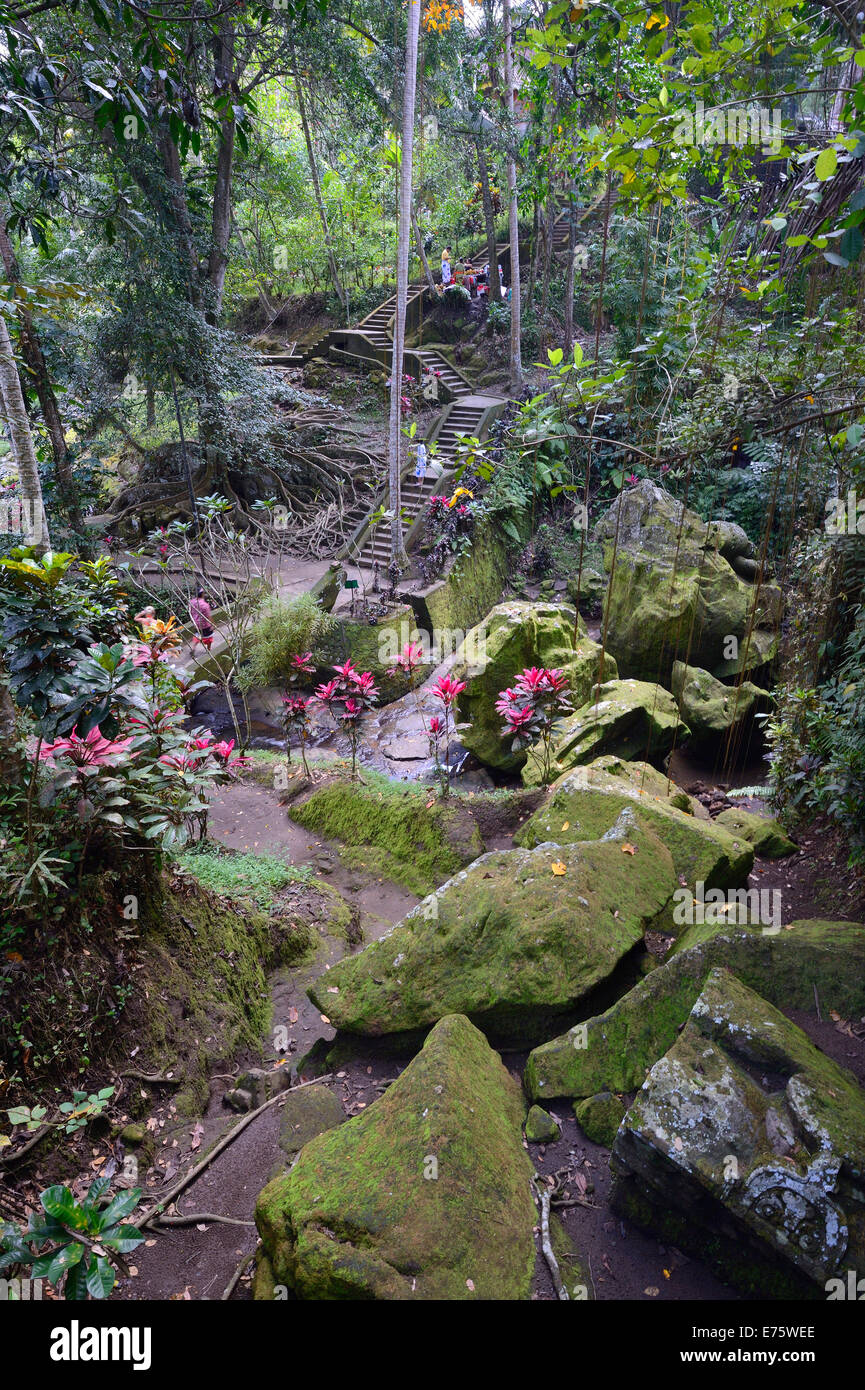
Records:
x=283, y=628
x=83, y=1239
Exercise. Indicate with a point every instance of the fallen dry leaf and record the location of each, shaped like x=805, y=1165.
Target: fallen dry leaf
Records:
x=567, y=825
x=628, y=849
x=559, y=868
x=651, y=1291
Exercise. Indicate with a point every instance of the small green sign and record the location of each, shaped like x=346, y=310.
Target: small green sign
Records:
x=351, y=583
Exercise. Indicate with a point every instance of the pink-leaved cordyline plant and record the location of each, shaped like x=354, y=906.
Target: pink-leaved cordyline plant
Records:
x=446, y=690
x=532, y=709
x=347, y=697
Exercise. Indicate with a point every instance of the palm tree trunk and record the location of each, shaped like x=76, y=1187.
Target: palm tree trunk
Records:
x=516, y=366
x=397, y=547
x=22, y=444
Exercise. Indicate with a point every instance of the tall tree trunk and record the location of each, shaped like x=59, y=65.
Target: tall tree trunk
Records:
x=516, y=364
x=570, y=276
x=397, y=547
x=11, y=762
x=418, y=236
x=22, y=444
x=316, y=184
x=494, y=290
x=217, y=261
x=34, y=361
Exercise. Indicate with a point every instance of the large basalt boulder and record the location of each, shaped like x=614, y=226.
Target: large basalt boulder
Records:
x=512, y=637
x=674, y=591
x=426, y=1195
x=746, y=1146
x=514, y=941
x=628, y=718
x=615, y=1050
x=711, y=709
x=584, y=804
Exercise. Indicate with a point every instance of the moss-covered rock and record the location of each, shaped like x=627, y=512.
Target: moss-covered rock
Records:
x=674, y=590
x=711, y=709
x=584, y=804
x=472, y=586
x=512, y=637
x=614, y=1050
x=425, y=1195
x=746, y=1145
x=630, y=719
x=305, y=1113
x=417, y=845
x=372, y=646
x=600, y=1116
x=512, y=941
x=769, y=839
x=541, y=1128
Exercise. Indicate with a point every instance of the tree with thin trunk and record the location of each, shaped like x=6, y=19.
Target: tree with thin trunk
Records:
x=516, y=364
x=34, y=360
x=397, y=547
x=22, y=445
x=316, y=185
x=494, y=290
x=418, y=236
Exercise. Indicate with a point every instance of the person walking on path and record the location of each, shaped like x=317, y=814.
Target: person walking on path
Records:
x=201, y=614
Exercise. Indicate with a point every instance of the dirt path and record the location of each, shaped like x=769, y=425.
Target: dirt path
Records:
x=194, y=1262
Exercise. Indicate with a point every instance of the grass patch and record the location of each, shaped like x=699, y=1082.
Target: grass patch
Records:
x=253, y=878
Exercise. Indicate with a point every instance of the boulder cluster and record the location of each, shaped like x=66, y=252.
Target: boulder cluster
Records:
x=731, y=1135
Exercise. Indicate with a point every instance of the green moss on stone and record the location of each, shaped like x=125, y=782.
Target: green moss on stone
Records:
x=417, y=845
x=766, y=835
x=615, y=1050
x=515, y=939
x=599, y=1117
x=388, y=1205
x=541, y=1128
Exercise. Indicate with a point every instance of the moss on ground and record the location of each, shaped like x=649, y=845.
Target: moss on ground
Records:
x=408, y=840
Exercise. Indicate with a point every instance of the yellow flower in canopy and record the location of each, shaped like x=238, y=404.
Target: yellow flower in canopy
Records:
x=460, y=492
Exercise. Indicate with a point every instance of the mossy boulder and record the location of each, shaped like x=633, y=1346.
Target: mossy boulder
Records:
x=769, y=839
x=512, y=637
x=306, y=1112
x=426, y=1195
x=614, y=1050
x=674, y=590
x=711, y=709
x=600, y=1116
x=746, y=1146
x=372, y=646
x=584, y=804
x=513, y=941
x=631, y=719
x=541, y=1128
x=412, y=842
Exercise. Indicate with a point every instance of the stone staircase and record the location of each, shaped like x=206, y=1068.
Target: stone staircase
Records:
x=469, y=415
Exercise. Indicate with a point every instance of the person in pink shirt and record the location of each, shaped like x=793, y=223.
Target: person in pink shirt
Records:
x=201, y=615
